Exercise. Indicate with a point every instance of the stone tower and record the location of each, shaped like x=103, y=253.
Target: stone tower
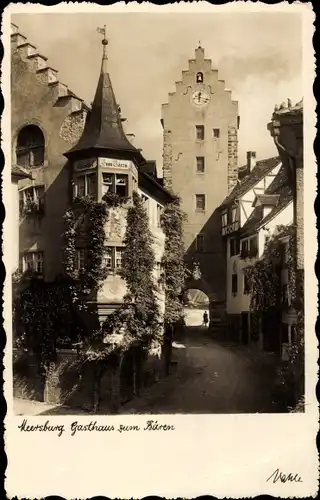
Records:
x=200, y=163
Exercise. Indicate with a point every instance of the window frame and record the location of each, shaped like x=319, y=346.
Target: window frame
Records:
x=32, y=255
x=36, y=145
x=204, y=202
x=85, y=177
x=200, y=161
x=200, y=132
x=113, y=184
x=112, y=253
x=216, y=133
x=39, y=200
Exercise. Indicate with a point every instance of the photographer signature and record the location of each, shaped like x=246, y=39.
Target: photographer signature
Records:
x=277, y=475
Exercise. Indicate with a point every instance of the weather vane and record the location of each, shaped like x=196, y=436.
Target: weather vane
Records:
x=103, y=31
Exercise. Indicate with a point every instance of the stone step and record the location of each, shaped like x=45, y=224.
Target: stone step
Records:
x=26, y=49
x=37, y=61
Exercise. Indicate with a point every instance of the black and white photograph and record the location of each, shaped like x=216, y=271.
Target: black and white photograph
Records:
x=157, y=237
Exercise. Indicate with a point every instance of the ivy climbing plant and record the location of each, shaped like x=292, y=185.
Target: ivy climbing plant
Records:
x=138, y=317
x=174, y=271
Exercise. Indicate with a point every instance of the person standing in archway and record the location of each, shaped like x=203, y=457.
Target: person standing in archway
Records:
x=205, y=318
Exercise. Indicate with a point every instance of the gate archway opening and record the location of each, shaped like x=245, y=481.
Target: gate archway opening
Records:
x=195, y=304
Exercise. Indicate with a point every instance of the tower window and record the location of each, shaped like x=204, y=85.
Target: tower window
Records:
x=200, y=202
x=199, y=77
x=115, y=183
x=216, y=133
x=200, y=132
x=200, y=243
x=30, y=147
x=200, y=164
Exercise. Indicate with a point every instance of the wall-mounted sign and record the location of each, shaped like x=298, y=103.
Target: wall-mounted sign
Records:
x=85, y=164
x=230, y=228
x=112, y=163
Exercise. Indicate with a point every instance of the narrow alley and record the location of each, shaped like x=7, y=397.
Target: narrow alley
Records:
x=211, y=377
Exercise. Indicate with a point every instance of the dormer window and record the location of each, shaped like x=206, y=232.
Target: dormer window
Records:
x=115, y=184
x=199, y=77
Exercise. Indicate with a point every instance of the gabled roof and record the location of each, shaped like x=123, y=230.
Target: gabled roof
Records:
x=284, y=193
x=262, y=168
x=103, y=130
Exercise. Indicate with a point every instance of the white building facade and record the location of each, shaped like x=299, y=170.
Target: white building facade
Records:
x=250, y=215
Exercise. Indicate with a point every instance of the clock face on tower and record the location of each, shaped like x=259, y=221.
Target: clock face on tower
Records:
x=200, y=98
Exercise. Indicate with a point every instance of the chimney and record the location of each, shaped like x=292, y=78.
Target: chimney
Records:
x=251, y=161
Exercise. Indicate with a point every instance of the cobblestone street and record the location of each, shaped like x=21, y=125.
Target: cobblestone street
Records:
x=211, y=377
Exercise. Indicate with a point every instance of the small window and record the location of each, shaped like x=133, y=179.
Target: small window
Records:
x=33, y=261
x=200, y=243
x=224, y=218
x=199, y=77
x=81, y=186
x=200, y=164
x=234, y=285
x=200, y=132
x=30, y=147
x=31, y=199
x=80, y=260
x=234, y=246
x=216, y=133
x=246, y=284
x=145, y=202
x=200, y=202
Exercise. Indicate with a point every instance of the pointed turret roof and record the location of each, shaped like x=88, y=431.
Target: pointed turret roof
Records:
x=103, y=131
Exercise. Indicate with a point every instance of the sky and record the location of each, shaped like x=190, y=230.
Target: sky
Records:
x=259, y=55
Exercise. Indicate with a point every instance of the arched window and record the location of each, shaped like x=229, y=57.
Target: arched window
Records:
x=30, y=147
x=199, y=77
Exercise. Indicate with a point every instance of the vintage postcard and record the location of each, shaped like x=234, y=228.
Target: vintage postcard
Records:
x=159, y=245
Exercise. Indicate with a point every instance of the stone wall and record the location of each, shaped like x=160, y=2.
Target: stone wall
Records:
x=232, y=157
x=72, y=383
x=167, y=159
